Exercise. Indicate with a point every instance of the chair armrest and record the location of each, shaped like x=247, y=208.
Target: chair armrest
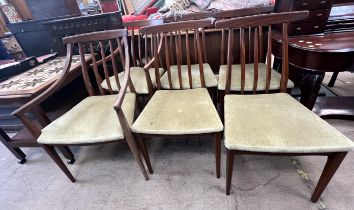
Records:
x=127, y=80
x=52, y=89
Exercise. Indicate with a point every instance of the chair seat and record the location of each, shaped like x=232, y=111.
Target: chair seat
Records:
x=179, y=112
x=137, y=75
x=249, y=75
x=210, y=80
x=93, y=120
x=278, y=123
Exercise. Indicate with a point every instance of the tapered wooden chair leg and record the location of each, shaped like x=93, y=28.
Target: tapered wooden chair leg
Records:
x=136, y=154
x=332, y=164
x=65, y=150
x=54, y=155
x=145, y=153
x=217, y=153
x=229, y=169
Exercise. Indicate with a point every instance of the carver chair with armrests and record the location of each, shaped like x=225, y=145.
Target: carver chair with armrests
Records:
x=140, y=55
x=97, y=119
x=273, y=124
x=188, y=110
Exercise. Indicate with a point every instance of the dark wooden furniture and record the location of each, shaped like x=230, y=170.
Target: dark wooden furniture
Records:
x=315, y=23
x=188, y=109
x=240, y=122
x=311, y=56
x=59, y=133
x=32, y=37
x=59, y=28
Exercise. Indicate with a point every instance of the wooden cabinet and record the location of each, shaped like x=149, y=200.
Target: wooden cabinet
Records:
x=315, y=23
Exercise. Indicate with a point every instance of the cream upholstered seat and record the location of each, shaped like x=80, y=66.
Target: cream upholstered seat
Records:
x=277, y=123
x=93, y=120
x=138, y=77
x=179, y=112
x=249, y=75
x=210, y=80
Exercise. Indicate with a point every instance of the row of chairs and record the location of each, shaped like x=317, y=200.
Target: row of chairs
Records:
x=181, y=87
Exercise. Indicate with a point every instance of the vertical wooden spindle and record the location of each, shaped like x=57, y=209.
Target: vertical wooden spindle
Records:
x=256, y=52
x=85, y=74
x=105, y=68
x=242, y=59
x=230, y=45
x=285, y=56
x=168, y=63
x=189, y=61
x=178, y=54
x=114, y=64
x=269, y=57
x=95, y=70
x=200, y=59
x=222, y=47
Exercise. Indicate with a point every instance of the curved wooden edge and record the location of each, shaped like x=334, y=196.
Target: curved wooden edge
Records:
x=243, y=12
x=53, y=88
x=142, y=23
x=95, y=36
x=123, y=89
x=191, y=16
x=178, y=26
x=262, y=20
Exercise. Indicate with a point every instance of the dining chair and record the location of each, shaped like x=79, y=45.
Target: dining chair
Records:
x=139, y=57
x=273, y=124
x=197, y=73
x=186, y=108
x=97, y=119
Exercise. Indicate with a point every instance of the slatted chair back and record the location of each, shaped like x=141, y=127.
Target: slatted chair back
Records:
x=121, y=37
x=108, y=46
x=241, y=13
x=169, y=49
x=256, y=24
x=142, y=55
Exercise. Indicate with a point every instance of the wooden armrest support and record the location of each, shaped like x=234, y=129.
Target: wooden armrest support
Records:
x=148, y=65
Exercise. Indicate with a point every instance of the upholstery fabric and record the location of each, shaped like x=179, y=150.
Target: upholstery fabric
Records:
x=93, y=120
x=178, y=112
x=249, y=75
x=278, y=123
x=137, y=75
x=210, y=80
x=46, y=73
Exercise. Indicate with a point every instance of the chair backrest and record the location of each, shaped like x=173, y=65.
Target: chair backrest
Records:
x=256, y=24
x=240, y=13
x=170, y=37
x=134, y=27
x=106, y=45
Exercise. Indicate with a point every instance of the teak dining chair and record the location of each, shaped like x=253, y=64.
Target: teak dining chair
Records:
x=188, y=111
x=273, y=124
x=139, y=57
x=197, y=73
x=96, y=119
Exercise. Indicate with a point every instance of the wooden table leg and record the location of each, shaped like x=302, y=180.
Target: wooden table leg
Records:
x=333, y=79
x=17, y=152
x=310, y=86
